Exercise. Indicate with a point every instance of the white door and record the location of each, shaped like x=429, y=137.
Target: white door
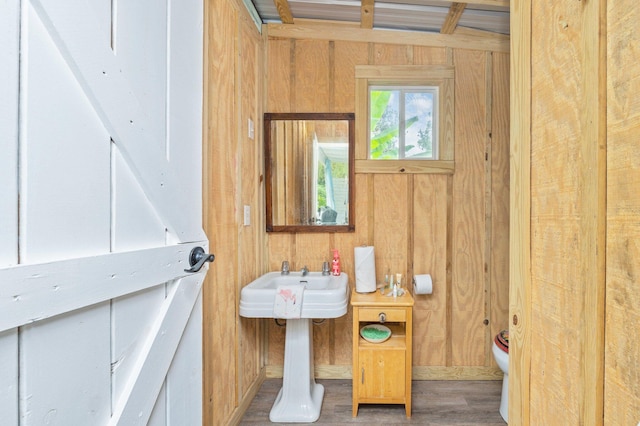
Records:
x=100, y=207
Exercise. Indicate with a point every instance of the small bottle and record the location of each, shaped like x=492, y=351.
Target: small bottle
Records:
x=335, y=267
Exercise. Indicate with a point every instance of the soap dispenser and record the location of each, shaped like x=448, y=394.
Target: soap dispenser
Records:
x=335, y=267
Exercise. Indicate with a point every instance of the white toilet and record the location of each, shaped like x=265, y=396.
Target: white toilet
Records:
x=501, y=354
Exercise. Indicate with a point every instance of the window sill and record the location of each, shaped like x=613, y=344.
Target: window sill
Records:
x=441, y=167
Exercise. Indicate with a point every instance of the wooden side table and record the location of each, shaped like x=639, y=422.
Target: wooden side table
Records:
x=382, y=371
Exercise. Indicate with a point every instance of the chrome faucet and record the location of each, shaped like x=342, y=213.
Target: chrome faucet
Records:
x=304, y=270
x=285, y=268
x=325, y=268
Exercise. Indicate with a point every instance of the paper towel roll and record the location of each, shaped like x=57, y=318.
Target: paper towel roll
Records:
x=365, y=269
x=422, y=284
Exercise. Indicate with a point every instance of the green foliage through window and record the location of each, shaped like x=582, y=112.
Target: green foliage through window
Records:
x=403, y=122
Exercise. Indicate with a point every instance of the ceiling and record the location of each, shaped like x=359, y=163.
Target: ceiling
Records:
x=434, y=16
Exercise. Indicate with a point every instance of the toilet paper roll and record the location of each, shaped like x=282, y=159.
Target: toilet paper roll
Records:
x=365, y=269
x=422, y=284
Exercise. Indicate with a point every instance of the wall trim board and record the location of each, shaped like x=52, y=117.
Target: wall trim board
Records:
x=419, y=373
x=488, y=200
x=520, y=213
x=593, y=181
x=473, y=40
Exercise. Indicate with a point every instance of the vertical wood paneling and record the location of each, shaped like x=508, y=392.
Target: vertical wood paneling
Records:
x=250, y=149
x=233, y=178
x=468, y=225
x=221, y=180
x=498, y=315
x=567, y=213
x=622, y=349
x=311, y=85
x=346, y=56
x=415, y=222
x=430, y=331
x=390, y=54
x=424, y=55
x=278, y=59
x=555, y=250
x=390, y=224
x=520, y=212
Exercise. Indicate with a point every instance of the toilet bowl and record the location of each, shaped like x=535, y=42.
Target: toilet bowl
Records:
x=500, y=350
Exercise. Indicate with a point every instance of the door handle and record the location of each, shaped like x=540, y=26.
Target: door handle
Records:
x=197, y=258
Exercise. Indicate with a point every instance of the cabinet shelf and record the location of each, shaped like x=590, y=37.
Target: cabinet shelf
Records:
x=382, y=371
x=394, y=342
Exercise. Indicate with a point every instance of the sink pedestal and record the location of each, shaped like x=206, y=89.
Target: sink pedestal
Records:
x=300, y=399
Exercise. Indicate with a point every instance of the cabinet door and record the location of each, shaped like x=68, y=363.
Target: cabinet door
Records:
x=382, y=373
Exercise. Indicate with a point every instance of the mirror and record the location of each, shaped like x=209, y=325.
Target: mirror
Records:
x=309, y=172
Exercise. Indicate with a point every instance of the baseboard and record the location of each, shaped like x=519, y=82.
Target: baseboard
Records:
x=456, y=373
x=419, y=372
x=244, y=404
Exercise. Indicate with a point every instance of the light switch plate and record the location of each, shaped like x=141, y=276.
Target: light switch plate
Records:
x=252, y=131
x=247, y=215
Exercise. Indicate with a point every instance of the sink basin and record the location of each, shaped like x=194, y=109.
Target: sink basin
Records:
x=325, y=296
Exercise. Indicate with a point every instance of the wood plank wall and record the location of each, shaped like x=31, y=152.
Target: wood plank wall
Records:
x=622, y=348
x=575, y=156
x=454, y=227
x=567, y=215
x=232, y=174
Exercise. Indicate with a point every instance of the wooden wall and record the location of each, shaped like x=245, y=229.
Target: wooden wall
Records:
x=454, y=227
x=622, y=347
x=233, y=363
x=575, y=212
x=566, y=250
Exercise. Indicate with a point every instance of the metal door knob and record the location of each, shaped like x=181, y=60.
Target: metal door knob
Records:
x=197, y=259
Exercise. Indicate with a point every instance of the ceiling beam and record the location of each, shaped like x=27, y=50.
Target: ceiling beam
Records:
x=451, y=21
x=284, y=11
x=461, y=38
x=501, y=3
x=366, y=14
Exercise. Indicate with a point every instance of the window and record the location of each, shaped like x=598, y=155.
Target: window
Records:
x=404, y=119
x=403, y=122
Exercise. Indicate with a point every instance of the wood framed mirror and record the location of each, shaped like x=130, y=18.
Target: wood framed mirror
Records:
x=309, y=172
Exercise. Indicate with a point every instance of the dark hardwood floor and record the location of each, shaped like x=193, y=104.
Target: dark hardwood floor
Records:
x=434, y=403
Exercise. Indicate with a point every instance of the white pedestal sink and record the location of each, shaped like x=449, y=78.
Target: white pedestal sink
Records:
x=300, y=399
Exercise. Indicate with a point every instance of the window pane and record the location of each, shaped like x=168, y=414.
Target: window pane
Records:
x=419, y=125
x=403, y=122
x=385, y=119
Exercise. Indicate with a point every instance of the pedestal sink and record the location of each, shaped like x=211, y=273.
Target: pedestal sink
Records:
x=325, y=296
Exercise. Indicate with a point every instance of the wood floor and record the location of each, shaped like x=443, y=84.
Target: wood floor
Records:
x=434, y=403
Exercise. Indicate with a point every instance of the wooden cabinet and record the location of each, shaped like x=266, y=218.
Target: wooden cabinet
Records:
x=382, y=371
